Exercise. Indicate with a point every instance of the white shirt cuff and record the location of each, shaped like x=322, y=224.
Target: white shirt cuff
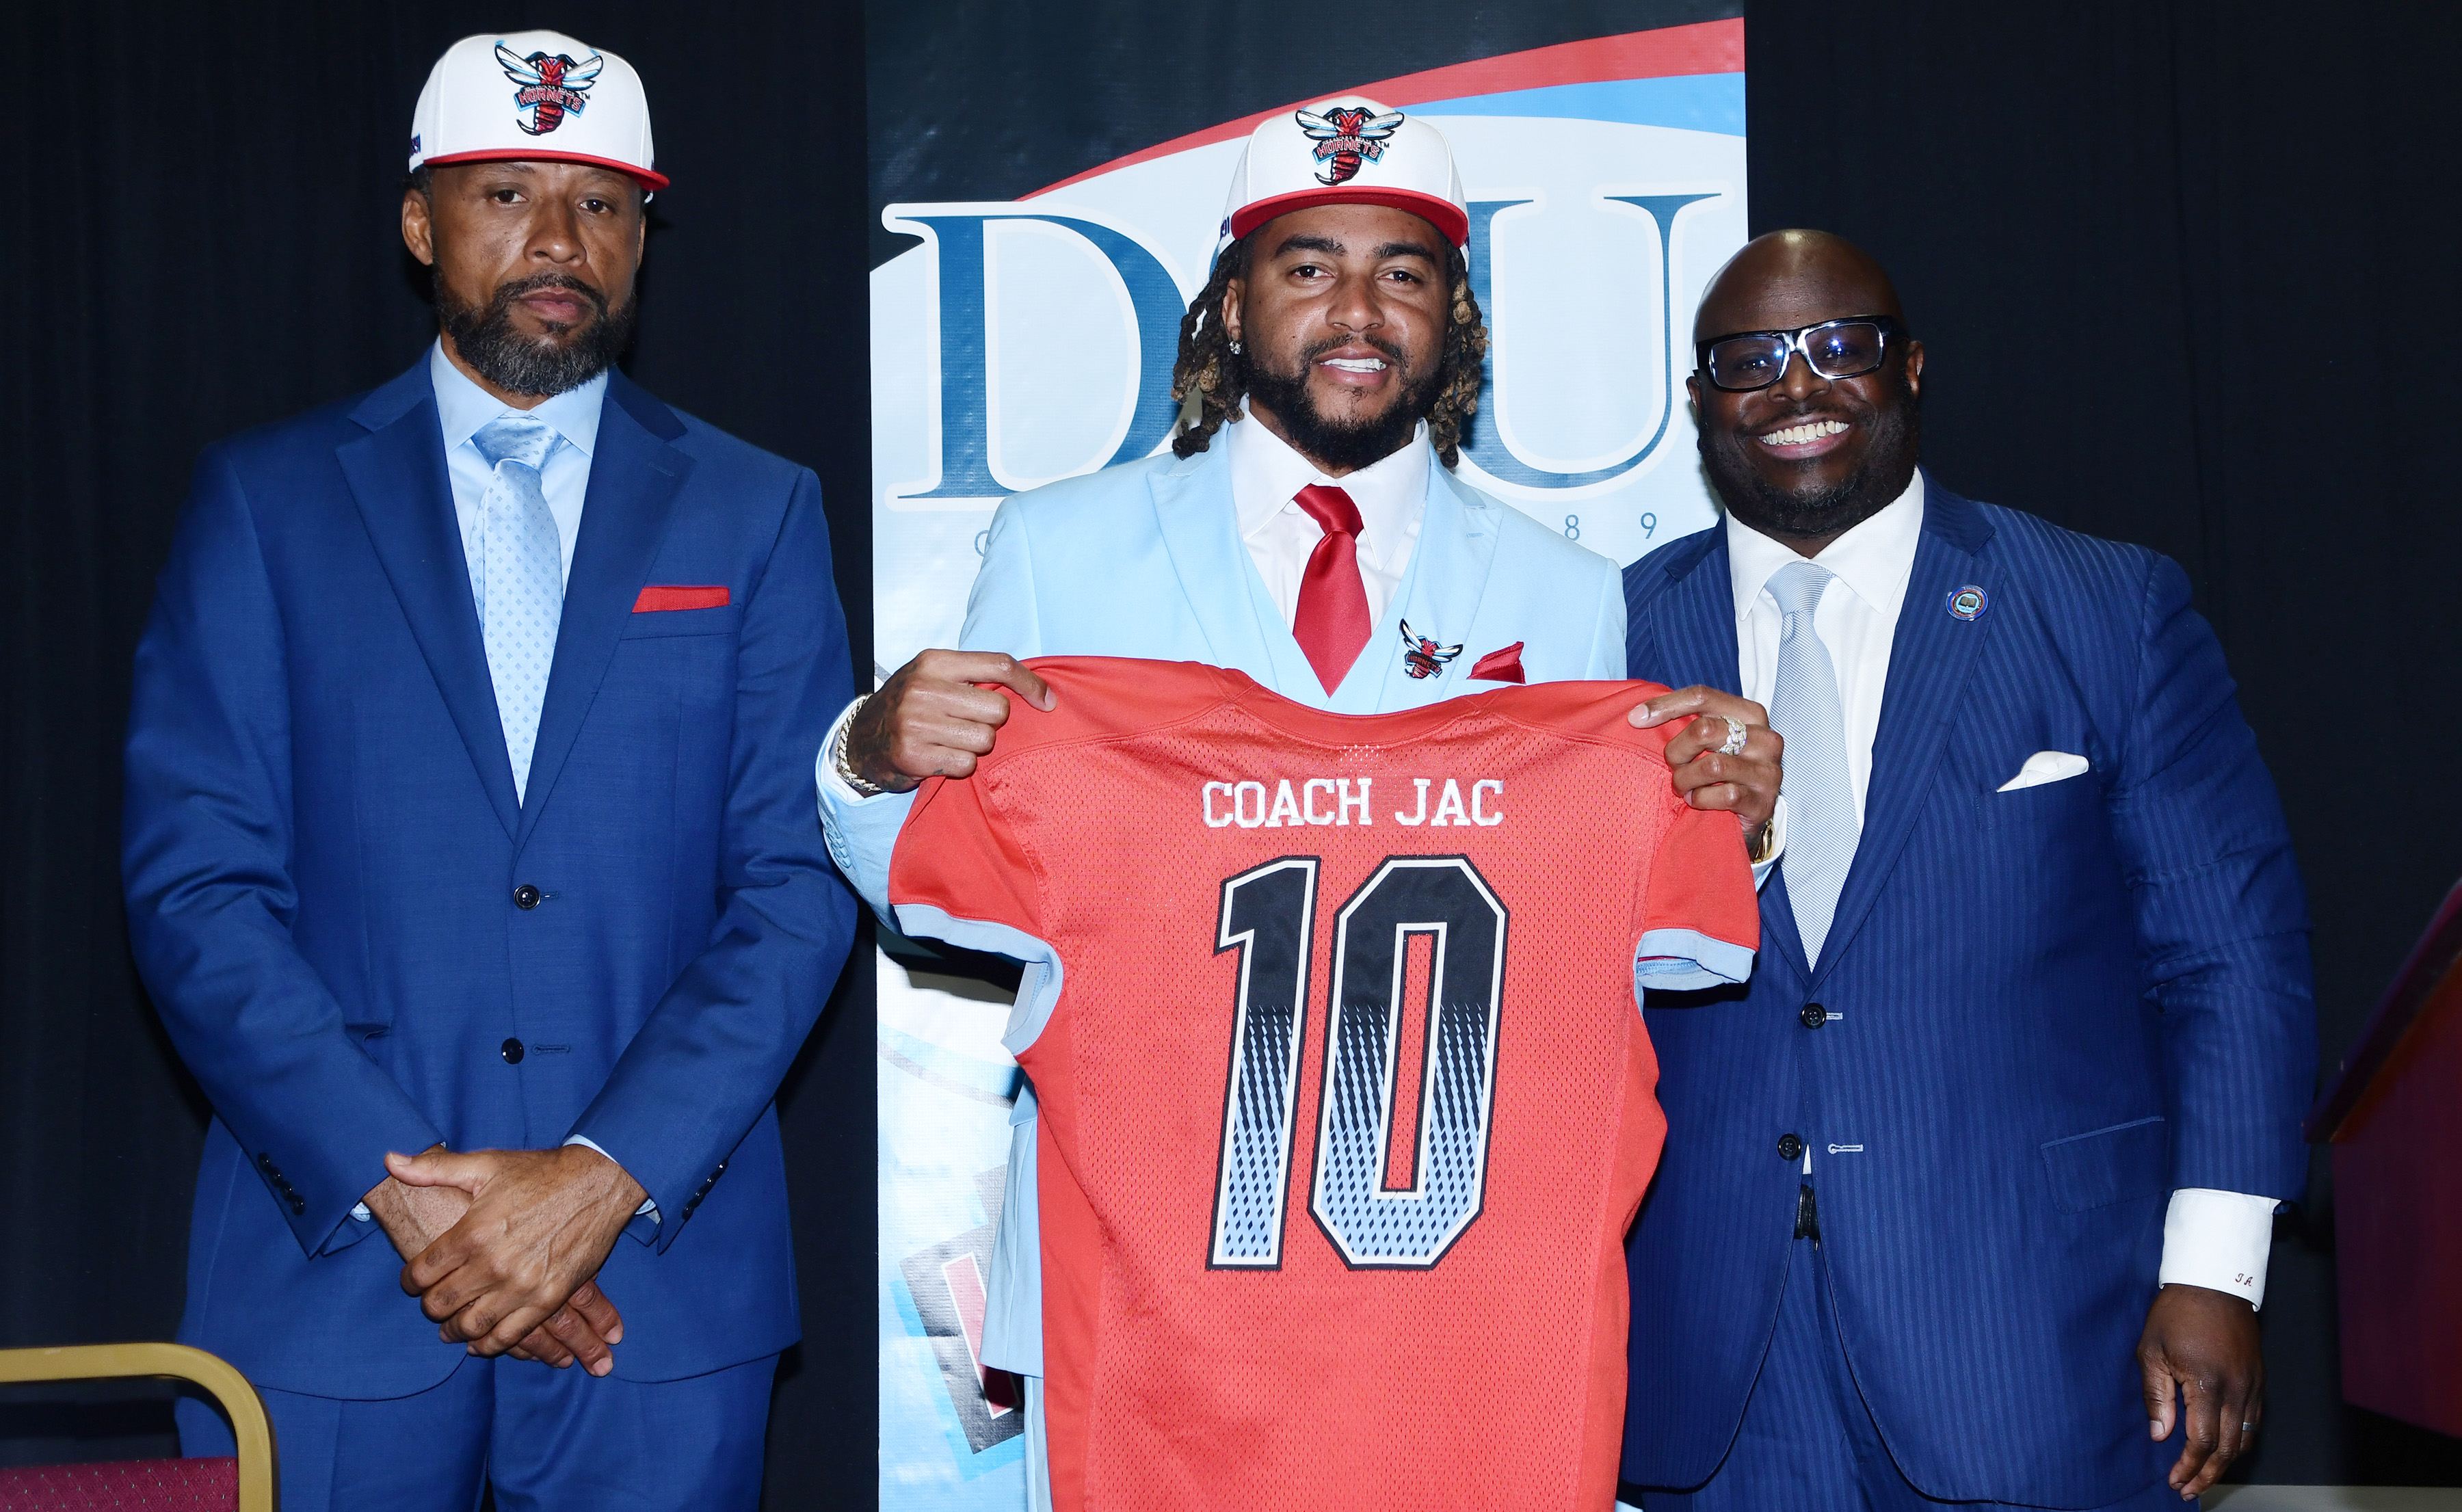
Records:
x=2220, y=1240
x=647, y=1206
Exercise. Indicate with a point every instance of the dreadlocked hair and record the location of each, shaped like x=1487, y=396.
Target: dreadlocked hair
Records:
x=1218, y=376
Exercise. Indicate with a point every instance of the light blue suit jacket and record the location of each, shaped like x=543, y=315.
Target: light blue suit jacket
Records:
x=1145, y=560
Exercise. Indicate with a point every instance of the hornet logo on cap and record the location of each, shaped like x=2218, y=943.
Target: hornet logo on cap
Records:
x=1344, y=137
x=551, y=84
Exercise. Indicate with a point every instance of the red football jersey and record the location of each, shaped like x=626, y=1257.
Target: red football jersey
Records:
x=1347, y=1104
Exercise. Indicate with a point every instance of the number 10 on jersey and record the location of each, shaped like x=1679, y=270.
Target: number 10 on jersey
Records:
x=1269, y=918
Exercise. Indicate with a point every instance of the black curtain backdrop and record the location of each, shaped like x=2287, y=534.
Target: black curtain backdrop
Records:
x=2166, y=257
x=201, y=237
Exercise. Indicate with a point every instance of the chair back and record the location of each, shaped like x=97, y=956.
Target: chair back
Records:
x=247, y=1484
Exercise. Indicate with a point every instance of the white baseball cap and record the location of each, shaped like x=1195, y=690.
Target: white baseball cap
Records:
x=1346, y=151
x=538, y=96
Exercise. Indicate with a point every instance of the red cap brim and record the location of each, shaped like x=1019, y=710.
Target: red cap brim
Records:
x=1444, y=215
x=647, y=178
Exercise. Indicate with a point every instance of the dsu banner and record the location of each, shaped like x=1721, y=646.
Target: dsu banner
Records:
x=1018, y=341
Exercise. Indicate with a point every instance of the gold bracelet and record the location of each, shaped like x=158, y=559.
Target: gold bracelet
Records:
x=846, y=770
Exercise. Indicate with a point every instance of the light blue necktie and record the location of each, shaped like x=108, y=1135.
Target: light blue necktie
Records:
x=521, y=586
x=1822, y=828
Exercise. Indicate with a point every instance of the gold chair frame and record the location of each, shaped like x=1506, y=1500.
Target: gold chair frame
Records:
x=258, y=1485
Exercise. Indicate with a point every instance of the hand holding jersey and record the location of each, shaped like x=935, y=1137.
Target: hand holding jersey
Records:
x=940, y=712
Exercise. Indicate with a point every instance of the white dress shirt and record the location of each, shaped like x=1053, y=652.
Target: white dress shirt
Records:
x=463, y=409
x=1266, y=476
x=2221, y=1239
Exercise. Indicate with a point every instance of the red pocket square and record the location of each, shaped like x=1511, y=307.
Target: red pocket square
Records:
x=659, y=596
x=1501, y=667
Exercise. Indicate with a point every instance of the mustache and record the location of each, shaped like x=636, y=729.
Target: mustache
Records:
x=1391, y=351
x=502, y=302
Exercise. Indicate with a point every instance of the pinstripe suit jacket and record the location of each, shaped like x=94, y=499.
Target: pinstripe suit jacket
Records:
x=2046, y=1009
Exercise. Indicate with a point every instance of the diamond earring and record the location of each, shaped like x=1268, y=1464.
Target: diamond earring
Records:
x=1235, y=349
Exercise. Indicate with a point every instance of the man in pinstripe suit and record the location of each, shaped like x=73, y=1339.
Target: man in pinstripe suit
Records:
x=2014, y=1088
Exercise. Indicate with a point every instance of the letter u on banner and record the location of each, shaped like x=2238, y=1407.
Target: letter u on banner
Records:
x=1483, y=443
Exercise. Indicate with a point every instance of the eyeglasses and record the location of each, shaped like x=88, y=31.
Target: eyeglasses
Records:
x=1834, y=349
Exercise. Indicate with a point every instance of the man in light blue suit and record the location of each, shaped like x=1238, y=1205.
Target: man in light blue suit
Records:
x=1306, y=528
x=468, y=813
x=1967, y=1195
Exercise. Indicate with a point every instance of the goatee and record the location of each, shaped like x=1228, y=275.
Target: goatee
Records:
x=1341, y=446
x=486, y=337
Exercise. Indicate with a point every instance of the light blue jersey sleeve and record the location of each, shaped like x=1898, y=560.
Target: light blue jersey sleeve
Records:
x=1013, y=1308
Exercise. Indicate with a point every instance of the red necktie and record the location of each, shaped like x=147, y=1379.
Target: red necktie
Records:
x=1332, y=623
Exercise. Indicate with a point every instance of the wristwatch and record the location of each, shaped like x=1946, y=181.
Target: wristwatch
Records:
x=1757, y=854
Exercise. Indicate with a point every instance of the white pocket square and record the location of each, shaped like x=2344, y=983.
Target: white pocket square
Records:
x=2045, y=766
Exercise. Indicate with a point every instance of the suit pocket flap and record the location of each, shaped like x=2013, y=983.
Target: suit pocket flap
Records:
x=2104, y=1166
x=723, y=620
x=2058, y=805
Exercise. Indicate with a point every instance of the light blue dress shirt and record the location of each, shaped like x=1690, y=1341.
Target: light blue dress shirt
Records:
x=463, y=407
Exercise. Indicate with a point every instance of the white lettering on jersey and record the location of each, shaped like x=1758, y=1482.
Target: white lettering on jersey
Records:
x=1252, y=804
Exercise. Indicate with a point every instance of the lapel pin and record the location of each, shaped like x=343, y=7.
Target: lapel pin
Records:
x=1423, y=657
x=1968, y=602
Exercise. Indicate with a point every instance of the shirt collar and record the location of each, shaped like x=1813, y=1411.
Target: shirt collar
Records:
x=1390, y=492
x=1875, y=559
x=462, y=407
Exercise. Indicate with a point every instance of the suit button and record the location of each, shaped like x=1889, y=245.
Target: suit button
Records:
x=298, y=1204
x=1815, y=1015
x=264, y=1161
x=512, y=1051
x=525, y=897
x=1790, y=1148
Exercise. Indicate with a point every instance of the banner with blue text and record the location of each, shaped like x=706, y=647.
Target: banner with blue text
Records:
x=1020, y=340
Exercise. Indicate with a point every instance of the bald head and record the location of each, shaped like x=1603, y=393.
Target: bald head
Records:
x=1787, y=280
x=1803, y=459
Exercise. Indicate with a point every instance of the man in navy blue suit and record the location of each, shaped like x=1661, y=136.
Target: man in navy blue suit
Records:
x=470, y=860
x=1967, y=1195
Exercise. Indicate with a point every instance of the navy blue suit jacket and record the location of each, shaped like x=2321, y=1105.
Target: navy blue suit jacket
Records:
x=323, y=848
x=2048, y=1008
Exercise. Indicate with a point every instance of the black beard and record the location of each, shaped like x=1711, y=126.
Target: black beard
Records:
x=1345, y=445
x=518, y=364
x=1888, y=463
